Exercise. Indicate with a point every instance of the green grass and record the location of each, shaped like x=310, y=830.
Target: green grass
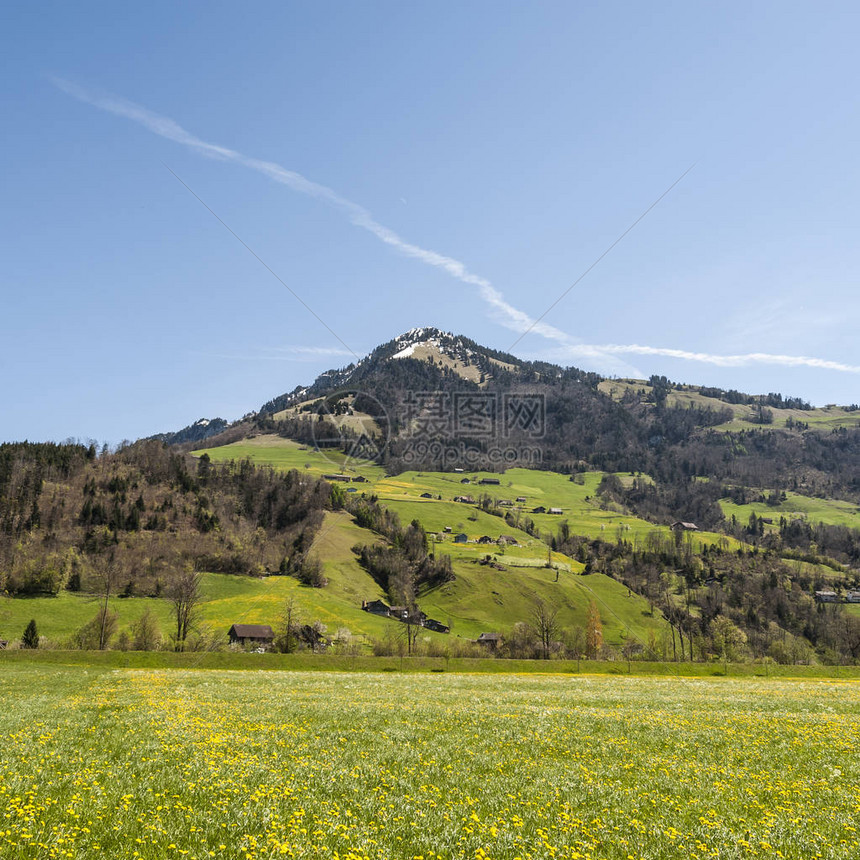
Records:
x=480, y=599
x=581, y=507
x=829, y=511
x=280, y=453
x=825, y=418
x=160, y=764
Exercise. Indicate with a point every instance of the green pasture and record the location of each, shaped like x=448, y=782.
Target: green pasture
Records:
x=825, y=418
x=832, y=512
x=285, y=454
x=155, y=764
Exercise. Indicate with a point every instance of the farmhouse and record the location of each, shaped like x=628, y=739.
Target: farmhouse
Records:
x=555, y=511
x=489, y=640
x=852, y=597
x=251, y=634
x=375, y=607
x=494, y=481
x=521, y=498
x=485, y=539
x=509, y=539
x=466, y=500
x=401, y=613
x=3, y=644
x=437, y=626
x=540, y=509
x=826, y=597
x=465, y=481
x=360, y=479
x=461, y=538
x=684, y=527
x=426, y=496
x=345, y=478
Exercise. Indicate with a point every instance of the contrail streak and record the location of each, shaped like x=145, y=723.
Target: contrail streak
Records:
x=508, y=315
x=741, y=360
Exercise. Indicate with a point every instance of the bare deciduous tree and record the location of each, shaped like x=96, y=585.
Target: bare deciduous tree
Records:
x=545, y=624
x=184, y=593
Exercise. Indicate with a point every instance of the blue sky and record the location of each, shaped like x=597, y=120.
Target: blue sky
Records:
x=399, y=165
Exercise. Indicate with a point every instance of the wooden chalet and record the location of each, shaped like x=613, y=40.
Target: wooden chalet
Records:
x=490, y=641
x=375, y=607
x=251, y=634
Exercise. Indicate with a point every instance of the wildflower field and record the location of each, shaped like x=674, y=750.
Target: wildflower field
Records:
x=196, y=764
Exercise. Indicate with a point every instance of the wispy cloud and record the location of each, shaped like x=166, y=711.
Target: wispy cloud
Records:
x=284, y=353
x=584, y=350
x=310, y=352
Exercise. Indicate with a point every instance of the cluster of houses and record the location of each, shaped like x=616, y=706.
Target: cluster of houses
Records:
x=346, y=479
x=827, y=596
x=402, y=613
x=501, y=540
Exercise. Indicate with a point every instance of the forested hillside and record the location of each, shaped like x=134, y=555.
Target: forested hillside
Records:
x=71, y=518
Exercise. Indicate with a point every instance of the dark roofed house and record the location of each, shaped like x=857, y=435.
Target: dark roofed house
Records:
x=521, y=498
x=510, y=539
x=826, y=596
x=426, y=496
x=540, y=509
x=684, y=527
x=344, y=478
x=466, y=500
x=461, y=538
x=490, y=481
x=375, y=607
x=555, y=511
x=399, y=612
x=437, y=626
x=485, y=539
x=251, y=634
x=490, y=640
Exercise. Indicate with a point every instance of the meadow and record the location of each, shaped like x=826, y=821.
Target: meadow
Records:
x=196, y=764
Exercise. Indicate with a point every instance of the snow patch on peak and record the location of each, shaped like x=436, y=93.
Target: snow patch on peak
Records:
x=406, y=351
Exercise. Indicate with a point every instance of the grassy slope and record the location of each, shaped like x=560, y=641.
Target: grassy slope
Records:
x=825, y=418
x=272, y=450
x=229, y=599
x=830, y=511
x=465, y=602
